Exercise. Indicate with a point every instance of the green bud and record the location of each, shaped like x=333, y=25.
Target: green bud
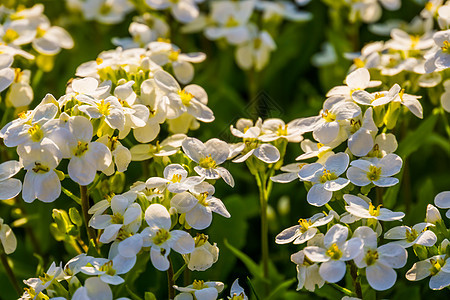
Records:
x=117, y=182
x=62, y=219
x=57, y=234
x=75, y=216
x=73, y=231
x=60, y=174
x=421, y=252
x=45, y=62
x=392, y=114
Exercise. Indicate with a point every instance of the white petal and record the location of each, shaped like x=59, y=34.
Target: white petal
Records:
x=316, y=254
x=131, y=246
x=318, y=196
x=10, y=188
x=357, y=176
x=157, y=215
x=184, y=243
x=288, y=235
x=267, y=153
x=336, y=234
x=380, y=277
x=442, y=200
x=332, y=270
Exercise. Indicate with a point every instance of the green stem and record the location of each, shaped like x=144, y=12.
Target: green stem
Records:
x=170, y=280
x=10, y=273
x=37, y=79
x=178, y=273
x=343, y=290
x=96, y=182
x=356, y=282
x=263, y=199
x=444, y=118
x=85, y=208
x=71, y=195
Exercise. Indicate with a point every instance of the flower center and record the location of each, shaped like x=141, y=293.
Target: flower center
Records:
x=414, y=40
x=327, y=176
x=202, y=199
x=81, y=148
x=207, y=162
x=282, y=130
x=99, y=60
x=411, y=235
x=103, y=107
x=328, y=116
x=173, y=55
x=436, y=265
x=36, y=133
x=161, y=237
x=232, y=22
x=374, y=173
x=374, y=211
x=371, y=257
x=446, y=48
x=185, y=97
x=108, y=268
x=199, y=284
x=257, y=43
x=200, y=239
x=334, y=252
x=105, y=9
x=117, y=219
x=40, y=32
x=176, y=178
x=39, y=168
x=304, y=224
x=359, y=62
x=10, y=36
x=355, y=125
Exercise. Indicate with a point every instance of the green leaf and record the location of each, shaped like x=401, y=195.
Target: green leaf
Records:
x=281, y=289
x=414, y=140
x=149, y=296
x=132, y=294
x=253, y=267
x=250, y=284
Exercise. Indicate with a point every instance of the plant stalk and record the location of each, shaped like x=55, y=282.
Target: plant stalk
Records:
x=263, y=199
x=85, y=208
x=10, y=273
x=356, y=282
x=170, y=280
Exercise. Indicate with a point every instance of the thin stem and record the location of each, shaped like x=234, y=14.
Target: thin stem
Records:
x=263, y=199
x=29, y=230
x=379, y=193
x=96, y=182
x=178, y=273
x=170, y=280
x=343, y=290
x=85, y=208
x=10, y=273
x=444, y=118
x=356, y=282
x=71, y=195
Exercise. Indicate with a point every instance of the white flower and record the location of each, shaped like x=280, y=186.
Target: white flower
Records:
x=203, y=256
x=40, y=284
x=255, y=53
x=327, y=125
x=231, y=18
x=175, y=178
x=313, y=149
x=209, y=156
x=201, y=290
x=379, y=261
x=163, y=53
x=161, y=240
x=167, y=147
x=41, y=180
x=403, y=41
x=356, y=80
x=360, y=208
x=124, y=213
x=87, y=156
x=273, y=129
x=377, y=171
x=120, y=153
x=442, y=200
x=439, y=59
x=237, y=292
x=407, y=236
x=106, y=11
x=291, y=173
x=361, y=134
x=335, y=252
x=438, y=267
x=9, y=187
x=184, y=11
x=383, y=145
x=325, y=178
x=284, y=9
x=410, y=101
x=50, y=39
x=110, y=109
x=20, y=92
x=199, y=205
x=433, y=215
x=7, y=238
x=307, y=272
x=192, y=99
x=109, y=270
x=306, y=229
x=93, y=289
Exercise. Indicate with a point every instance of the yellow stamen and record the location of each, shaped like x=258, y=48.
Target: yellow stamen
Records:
x=374, y=173
x=207, y=162
x=328, y=116
x=374, y=211
x=334, y=252
x=161, y=237
x=103, y=107
x=36, y=133
x=371, y=257
x=186, y=97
